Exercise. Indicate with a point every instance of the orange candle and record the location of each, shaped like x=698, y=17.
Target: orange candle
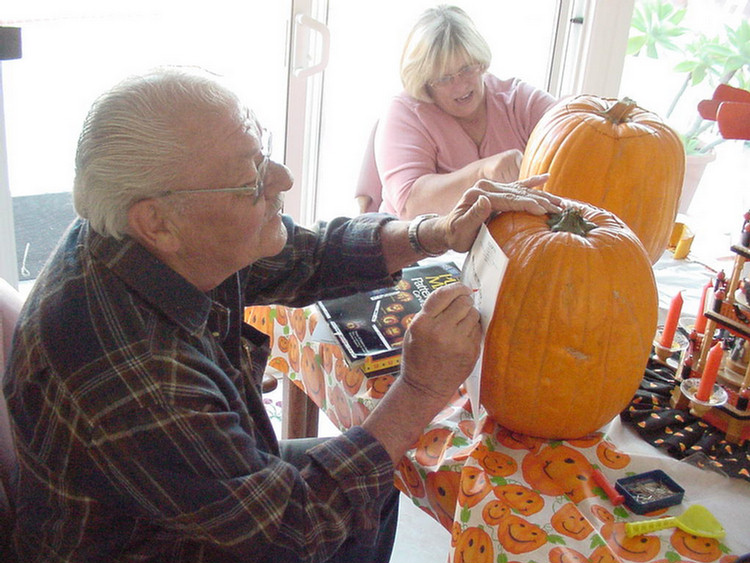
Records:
x=713, y=361
x=673, y=317
x=700, y=320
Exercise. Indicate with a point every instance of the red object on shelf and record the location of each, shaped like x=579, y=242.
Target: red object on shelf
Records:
x=730, y=108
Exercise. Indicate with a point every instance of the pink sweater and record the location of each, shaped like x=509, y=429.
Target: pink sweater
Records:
x=416, y=138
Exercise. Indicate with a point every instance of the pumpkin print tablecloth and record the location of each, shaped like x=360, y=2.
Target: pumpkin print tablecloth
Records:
x=502, y=496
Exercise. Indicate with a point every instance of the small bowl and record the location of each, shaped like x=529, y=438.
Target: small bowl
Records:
x=650, y=491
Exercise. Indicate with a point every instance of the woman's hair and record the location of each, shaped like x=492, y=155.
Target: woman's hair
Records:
x=441, y=35
x=139, y=137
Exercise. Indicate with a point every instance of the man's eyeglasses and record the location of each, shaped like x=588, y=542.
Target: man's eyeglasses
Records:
x=254, y=190
x=464, y=73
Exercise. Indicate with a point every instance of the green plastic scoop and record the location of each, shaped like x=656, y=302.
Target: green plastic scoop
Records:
x=696, y=520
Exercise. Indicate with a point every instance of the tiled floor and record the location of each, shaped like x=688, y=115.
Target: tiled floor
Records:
x=419, y=538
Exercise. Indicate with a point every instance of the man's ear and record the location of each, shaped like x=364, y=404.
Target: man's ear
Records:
x=149, y=223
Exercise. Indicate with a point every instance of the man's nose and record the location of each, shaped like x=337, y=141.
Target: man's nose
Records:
x=278, y=178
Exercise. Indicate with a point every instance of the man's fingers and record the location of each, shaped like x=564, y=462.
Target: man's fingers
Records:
x=517, y=197
x=444, y=297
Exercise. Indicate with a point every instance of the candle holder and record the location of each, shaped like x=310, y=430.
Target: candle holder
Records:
x=673, y=355
x=726, y=307
x=718, y=396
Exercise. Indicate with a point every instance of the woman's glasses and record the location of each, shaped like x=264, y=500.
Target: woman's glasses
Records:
x=465, y=73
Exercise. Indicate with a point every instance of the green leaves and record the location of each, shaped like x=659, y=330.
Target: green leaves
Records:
x=655, y=26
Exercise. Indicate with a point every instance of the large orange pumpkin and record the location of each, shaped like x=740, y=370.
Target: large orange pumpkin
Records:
x=614, y=155
x=573, y=324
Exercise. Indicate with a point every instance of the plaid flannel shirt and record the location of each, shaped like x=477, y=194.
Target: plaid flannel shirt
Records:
x=138, y=436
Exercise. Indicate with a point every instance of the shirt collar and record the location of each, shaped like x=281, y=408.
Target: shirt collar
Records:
x=154, y=281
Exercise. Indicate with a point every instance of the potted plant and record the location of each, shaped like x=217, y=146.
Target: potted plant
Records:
x=657, y=30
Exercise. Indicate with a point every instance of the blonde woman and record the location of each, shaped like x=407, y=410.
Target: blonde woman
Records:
x=454, y=123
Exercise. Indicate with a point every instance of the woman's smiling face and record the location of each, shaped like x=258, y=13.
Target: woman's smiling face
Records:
x=460, y=90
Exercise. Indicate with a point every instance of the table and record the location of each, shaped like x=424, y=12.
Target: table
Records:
x=508, y=496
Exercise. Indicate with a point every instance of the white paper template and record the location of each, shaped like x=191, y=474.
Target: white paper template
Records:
x=483, y=271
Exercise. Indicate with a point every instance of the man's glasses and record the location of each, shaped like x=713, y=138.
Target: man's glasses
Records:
x=254, y=190
x=464, y=73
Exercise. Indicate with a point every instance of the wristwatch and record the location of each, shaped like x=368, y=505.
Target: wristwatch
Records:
x=413, y=234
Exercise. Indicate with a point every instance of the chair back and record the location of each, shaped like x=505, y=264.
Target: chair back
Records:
x=369, y=189
x=10, y=307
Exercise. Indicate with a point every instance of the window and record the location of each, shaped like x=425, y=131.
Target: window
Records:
x=73, y=51
x=668, y=38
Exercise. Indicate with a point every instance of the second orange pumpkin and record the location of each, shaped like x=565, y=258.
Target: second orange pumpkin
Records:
x=614, y=155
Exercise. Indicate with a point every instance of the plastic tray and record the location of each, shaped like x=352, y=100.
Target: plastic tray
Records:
x=650, y=491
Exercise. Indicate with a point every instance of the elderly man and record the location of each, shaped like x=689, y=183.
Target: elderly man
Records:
x=140, y=430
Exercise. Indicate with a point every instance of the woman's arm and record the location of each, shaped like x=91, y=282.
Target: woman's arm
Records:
x=438, y=193
x=457, y=229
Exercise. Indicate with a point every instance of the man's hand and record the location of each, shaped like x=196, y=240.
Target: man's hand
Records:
x=440, y=349
x=441, y=345
x=458, y=229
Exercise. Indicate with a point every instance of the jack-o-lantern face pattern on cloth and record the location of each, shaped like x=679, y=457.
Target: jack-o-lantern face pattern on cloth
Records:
x=520, y=498
x=517, y=535
x=504, y=497
x=474, y=545
x=694, y=547
x=559, y=470
x=638, y=548
x=569, y=521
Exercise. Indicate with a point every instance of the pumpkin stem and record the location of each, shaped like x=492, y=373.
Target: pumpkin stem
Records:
x=619, y=111
x=570, y=220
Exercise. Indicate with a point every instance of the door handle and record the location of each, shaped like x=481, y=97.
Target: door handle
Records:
x=303, y=20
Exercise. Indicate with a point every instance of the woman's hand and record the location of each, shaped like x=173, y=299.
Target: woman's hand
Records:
x=458, y=229
x=502, y=167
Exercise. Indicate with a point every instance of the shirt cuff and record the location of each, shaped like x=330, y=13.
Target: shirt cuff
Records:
x=358, y=463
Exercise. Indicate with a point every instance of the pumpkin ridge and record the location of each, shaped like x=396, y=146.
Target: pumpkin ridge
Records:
x=550, y=271
x=506, y=311
x=606, y=352
x=580, y=401
x=551, y=331
x=527, y=249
